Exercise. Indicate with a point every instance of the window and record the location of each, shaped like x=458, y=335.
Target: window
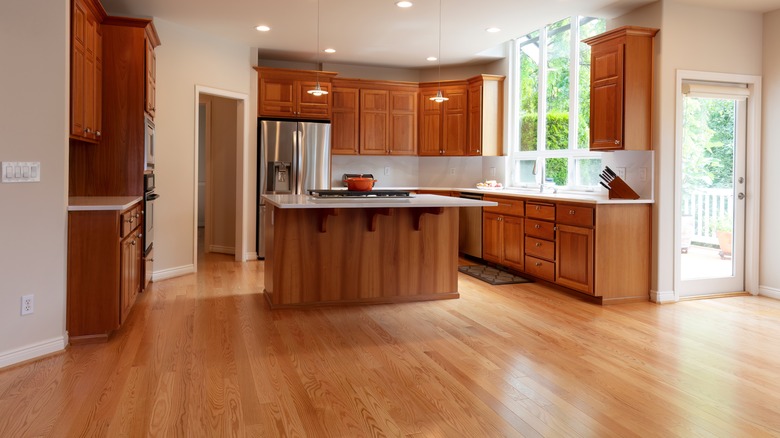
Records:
x=553, y=72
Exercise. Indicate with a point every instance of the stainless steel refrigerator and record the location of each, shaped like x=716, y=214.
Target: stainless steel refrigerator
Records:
x=293, y=157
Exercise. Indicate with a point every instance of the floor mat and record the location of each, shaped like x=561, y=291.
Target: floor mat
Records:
x=492, y=275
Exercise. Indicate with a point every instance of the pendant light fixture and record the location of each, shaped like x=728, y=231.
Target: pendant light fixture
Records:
x=439, y=98
x=317, y=90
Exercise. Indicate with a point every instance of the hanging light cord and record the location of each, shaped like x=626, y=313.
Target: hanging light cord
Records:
x=439, y=55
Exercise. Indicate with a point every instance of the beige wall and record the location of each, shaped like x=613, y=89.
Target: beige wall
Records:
x=34, y=122
x=220, y=166
x=770, y=157
x=691, y=38
x=186, y=59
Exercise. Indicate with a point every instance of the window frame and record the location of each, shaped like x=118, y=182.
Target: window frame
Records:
x=573, y=154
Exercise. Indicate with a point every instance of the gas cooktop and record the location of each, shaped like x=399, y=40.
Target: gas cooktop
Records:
x=360, y=194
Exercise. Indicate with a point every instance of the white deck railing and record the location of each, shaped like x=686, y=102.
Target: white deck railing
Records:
x=706, y=206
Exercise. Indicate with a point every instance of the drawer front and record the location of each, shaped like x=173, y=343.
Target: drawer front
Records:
x=540, y=229
x=540, y=268
x=574, y=215
x=129, y=219
x=540, y=211
x=543, y=249
x=511, y=206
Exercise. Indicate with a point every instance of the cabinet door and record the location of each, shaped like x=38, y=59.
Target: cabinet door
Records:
x=513, y=242
x=277, y=97
x=454, y=132
x=78, y=53
x=574, y=258
x=492, y=237
x=98, y=103
x=374, y=122
x=430, y=124
x=475, y=120
x=606, y=98
x=344, y=121
x=310, y=106
x=130, y=274
x=403, y=123
x=151, y=80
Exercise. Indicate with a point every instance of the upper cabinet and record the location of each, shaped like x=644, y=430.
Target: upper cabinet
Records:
x=86, y=70
x=621, y=90
x=374, y=117
x=443, y=125
x=486, y=115
x=284, y=93
x=150, y=63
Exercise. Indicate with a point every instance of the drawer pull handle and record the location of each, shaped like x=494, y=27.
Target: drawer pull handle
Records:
x=131, y=220
x=132, y=243
x=537, y=226
x=571, y=212
x=538, y=208
x=538, y=264
x=538, y=244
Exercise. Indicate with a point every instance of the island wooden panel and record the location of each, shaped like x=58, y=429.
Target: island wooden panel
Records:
x=350, y=264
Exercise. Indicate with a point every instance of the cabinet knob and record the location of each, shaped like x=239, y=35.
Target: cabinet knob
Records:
x=98, y=134
x=477, y=150
x=571, y=212
x=538, y=264
x=537, y=226
x=538, y=244
x=131, y=220
x=538, y=208
x=133, y=242
x=87, y=130
x=617, y=141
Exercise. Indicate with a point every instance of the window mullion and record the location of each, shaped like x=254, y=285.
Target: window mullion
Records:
x=574, y=92
x=541, y=119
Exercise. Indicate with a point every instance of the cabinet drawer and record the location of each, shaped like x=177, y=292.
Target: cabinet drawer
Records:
x=540, y=211
x=574, y=215
x=129, y=219
x=511, y=206
x=540, y=268
x=543, y=249
x=540, y=229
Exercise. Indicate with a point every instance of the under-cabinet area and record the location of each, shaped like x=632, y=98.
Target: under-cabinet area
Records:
x=105, y=269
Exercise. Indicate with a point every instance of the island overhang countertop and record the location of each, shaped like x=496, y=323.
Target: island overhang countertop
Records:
x=413, y=201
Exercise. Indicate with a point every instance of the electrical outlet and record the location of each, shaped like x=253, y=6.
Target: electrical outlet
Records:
x=28, y=304
x=387, y=170
x=492, y=171
x=643, y=173
x=452, y=171
x=621, y=172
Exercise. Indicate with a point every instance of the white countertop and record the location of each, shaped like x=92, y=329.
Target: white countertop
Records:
x=94, y=203
x=416, y=201
x=594, y=198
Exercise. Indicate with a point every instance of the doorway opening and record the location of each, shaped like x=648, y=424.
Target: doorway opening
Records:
x=716, y=135
x=220, y=175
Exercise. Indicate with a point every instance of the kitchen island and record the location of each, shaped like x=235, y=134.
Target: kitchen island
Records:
x=361, y=250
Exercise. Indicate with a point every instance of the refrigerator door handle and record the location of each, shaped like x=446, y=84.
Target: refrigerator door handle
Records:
x=299, y=158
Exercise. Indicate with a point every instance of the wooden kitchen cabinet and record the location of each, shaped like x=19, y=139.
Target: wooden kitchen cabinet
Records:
x=502, y=237
x=150, y=95
x=486, y=116
x=345, y=118
x=621, y=89
x=104, y=270
x=284, y=93
x=116, y=168
x=86, y=70
x=374, y=122
x=443, y=126
x=574, y=258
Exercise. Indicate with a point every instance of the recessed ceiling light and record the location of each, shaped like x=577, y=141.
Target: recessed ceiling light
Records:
x=431, y=58
x=404, y=4
x=329, y=50
x=263, y=28
x=493, y=29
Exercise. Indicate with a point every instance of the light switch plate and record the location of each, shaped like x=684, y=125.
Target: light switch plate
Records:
x=20, y=171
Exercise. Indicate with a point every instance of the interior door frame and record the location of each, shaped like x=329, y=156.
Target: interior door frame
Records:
x=752, y=168
x=242, y=170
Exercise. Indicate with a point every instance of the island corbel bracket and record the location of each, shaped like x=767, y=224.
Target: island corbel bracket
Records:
x=372, y=213
x=323, y=216
x=417, y=215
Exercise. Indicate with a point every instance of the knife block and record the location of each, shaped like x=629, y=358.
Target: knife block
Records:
x=621, y=190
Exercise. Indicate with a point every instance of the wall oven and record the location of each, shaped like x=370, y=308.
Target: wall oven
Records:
x=149, y=197
x=149, y=144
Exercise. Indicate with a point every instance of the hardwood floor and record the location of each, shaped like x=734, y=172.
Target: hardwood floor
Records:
x=203, y=356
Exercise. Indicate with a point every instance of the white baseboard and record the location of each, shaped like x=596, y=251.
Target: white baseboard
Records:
x=164, y=274
x=222, y=249
x=663, y=297
x=770, y=292
x=250, y=256
x=32, y=351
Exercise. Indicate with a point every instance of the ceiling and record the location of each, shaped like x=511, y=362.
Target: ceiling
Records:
x=377, y=32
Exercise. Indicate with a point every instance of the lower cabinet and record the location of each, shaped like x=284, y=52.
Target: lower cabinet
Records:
x=104, y=270
x=601, y=250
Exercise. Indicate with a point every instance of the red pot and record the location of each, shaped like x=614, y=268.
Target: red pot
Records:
x=360, y=184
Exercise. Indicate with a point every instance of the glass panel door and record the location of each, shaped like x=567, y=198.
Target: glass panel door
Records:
x=712, y=213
